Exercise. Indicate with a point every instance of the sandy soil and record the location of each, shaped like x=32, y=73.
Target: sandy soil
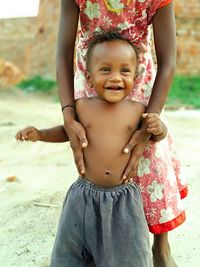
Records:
x=45, y=171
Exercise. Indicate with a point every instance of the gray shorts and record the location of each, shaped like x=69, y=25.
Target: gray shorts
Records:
x=102, y=227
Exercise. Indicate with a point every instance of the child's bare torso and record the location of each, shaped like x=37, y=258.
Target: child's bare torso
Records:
x=108, y=127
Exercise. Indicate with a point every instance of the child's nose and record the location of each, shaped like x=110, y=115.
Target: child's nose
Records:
x=115, y=77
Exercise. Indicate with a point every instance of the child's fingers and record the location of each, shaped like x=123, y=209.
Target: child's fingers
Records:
x=153, y=125
x=151, y=120
x=154, y=131
x=26, y=132
x=18, y=136
x=24, y=135
x=150, y=117
x=153, y=115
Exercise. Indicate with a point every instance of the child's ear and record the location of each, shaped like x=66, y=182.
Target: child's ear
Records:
x=88, y=79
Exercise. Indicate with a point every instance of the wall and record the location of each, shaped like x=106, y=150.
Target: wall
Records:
x=188, y=36
x=30, y=43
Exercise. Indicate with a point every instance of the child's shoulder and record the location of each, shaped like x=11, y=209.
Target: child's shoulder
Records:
x=134, y=104
x=91, y=102
x=133, y=107
x=88, y=105
x=86, y=101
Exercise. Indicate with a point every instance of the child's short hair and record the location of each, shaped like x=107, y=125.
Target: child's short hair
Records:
x=104, y=36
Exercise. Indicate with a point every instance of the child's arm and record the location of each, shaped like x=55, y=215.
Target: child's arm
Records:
x=155, y=126
x=55, y=134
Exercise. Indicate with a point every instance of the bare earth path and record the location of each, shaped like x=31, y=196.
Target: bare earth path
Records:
x=45, y=171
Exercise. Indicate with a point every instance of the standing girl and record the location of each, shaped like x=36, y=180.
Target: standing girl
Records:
x=158, y=169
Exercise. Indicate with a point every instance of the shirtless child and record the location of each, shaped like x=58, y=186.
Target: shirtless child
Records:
x=102, y=221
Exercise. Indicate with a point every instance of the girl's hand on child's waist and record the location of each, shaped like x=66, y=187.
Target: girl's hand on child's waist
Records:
x=78, y=141
x=136, y=147
x=28, y=134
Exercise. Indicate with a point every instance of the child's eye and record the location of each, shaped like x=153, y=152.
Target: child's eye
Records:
x=105, y=69
x=125, y=70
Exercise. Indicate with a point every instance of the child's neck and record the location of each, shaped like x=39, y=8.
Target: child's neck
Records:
x=108, y=102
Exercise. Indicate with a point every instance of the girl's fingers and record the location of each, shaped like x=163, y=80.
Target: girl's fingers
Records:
x=131, y=168
x=82, y=138
x=79, y=161
x=144, y=115
x=84, y=142
x=131, y=144
x=132, y=172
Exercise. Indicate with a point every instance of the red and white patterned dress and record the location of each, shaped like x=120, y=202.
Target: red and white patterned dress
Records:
x=159, y=174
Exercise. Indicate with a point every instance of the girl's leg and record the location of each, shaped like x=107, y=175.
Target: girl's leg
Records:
x=162, y=256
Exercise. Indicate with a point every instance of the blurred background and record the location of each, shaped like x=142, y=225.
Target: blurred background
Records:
x=28, y=45
x=34, y=177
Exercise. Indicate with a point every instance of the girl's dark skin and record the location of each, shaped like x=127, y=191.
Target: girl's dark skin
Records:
x=165, y=44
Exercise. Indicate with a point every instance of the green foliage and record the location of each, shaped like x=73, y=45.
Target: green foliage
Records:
x=185, y=91
x=37, y=84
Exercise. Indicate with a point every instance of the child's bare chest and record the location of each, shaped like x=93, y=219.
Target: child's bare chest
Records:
x=108, y=119
x=108, y=129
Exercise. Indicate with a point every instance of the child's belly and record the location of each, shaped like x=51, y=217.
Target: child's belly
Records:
x=105, y=161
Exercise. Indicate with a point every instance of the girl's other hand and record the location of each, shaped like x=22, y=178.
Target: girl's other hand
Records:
x=78, y=141
x=28, y=134
x=136, y=147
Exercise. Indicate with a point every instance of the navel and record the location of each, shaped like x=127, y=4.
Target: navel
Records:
x=107, y=172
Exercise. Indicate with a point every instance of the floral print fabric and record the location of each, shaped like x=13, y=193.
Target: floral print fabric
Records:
x=162, y=186
x=159, y=174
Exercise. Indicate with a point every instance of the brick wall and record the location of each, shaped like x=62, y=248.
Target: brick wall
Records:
x=16, y=39
x=188, y=36
x=30, y=43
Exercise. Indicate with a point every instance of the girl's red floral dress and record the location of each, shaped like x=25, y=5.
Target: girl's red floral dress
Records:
x=159, y=175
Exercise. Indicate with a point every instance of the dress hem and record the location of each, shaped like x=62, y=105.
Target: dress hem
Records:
x=184, y=192
x=168, y=226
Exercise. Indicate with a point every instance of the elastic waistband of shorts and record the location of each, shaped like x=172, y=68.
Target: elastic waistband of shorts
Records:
x=92, y=186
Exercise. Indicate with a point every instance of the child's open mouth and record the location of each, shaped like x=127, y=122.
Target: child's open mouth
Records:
x=114, y=88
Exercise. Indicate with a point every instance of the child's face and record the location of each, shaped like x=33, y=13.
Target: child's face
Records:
x=112, y=70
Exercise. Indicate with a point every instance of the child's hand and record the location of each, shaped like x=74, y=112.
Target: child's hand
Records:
x=154, y=124
x=28, y=134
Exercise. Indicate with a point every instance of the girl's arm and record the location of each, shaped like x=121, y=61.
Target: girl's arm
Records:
x=65, y=54
x=165, y=44
x=65, y=77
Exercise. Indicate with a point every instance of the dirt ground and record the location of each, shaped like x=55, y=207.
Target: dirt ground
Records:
x=30, y=206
